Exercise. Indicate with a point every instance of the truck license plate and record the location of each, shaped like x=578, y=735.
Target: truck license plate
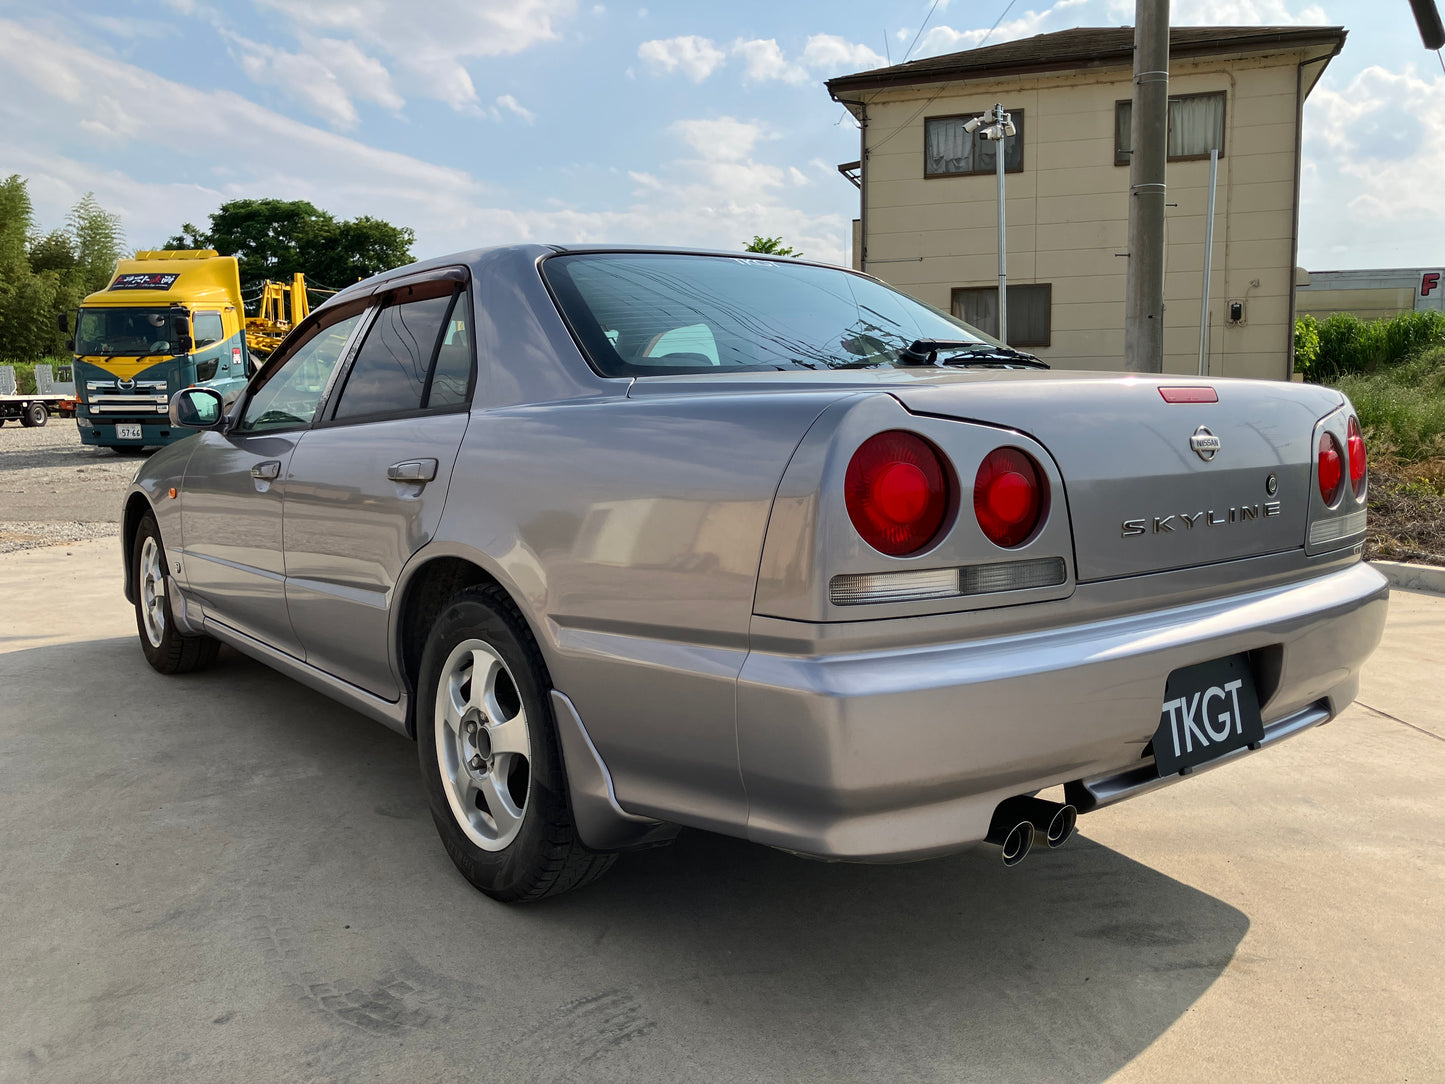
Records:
x=1209, y=710
x=127, y=432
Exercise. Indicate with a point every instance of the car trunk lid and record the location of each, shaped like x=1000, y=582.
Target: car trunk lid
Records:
x=1142, y=496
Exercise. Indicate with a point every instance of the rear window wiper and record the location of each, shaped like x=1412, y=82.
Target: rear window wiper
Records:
x=925, y=352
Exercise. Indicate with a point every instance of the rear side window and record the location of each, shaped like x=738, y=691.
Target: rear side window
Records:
x=389, y=375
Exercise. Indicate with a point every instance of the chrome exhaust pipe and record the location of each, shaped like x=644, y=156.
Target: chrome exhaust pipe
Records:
x=1053, y=824
x=1011, y=835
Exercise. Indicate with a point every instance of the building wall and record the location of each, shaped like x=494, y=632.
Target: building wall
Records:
x=1367, y=304
x=1067, y=212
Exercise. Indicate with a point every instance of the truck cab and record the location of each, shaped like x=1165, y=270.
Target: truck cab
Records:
x=168, y=320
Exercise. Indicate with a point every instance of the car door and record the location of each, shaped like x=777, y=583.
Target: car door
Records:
x=231, y=509
x=366, y=486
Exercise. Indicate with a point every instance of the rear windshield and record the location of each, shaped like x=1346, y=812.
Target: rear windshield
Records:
x=651, y=314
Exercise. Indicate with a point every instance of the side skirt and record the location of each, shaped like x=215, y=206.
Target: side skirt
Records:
x=390, y=713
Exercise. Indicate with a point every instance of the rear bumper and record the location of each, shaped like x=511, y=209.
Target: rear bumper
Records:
x=905, y=753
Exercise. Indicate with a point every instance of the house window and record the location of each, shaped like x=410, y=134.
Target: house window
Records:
x=1029, y=316
x=1196, y=126
x=949, y=151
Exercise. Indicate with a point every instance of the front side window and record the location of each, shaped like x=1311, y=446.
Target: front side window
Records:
x=389, y=374
x=292, y=393
x=1196, y=127
x=949, y=151
x=652, y=314
x=208, y=329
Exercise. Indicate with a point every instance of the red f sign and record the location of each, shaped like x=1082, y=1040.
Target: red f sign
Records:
x=1429, y=282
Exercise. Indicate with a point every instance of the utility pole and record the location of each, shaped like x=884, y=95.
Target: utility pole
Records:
x=1149, y=148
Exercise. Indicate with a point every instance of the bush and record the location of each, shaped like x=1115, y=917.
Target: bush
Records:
x=1307, y=347
x=1349, y=346
x=1403, y=408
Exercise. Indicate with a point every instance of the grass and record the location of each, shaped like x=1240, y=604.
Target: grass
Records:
x=1402, y=409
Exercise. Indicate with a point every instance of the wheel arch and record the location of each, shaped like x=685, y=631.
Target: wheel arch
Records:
x=434, y=580
x=136, y=508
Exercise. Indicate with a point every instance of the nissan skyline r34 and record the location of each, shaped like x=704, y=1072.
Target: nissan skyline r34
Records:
x=630, y=540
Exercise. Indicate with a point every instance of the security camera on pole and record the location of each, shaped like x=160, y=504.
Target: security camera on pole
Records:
x=996, y=127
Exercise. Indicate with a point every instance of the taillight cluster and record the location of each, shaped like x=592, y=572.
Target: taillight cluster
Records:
x=1008, y=496
x=1333, y=462
x=899, y=490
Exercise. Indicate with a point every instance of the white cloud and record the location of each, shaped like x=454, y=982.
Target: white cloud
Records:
x=823, y=56
x=433, y=45
x=325, y=76
x=763, y=60
x=720, y=139
x=511, y=105
x=830, y=55
x=695, y=57
x=719, y=195
x=1374, y=153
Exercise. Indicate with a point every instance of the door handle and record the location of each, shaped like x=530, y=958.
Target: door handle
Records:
x=413, y=470
x=268, y=470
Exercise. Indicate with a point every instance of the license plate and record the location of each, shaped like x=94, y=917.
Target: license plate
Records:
x=1209, y=710
x=127, y=432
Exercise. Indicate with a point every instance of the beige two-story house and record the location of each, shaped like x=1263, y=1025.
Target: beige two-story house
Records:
x=928, y=218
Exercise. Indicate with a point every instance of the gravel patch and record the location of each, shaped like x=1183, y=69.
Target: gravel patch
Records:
x=48, y=476
x=16, y=536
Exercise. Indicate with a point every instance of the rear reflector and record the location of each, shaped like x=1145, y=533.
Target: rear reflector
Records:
x=858, y=590
x=1329, y=530
x=1189, y=395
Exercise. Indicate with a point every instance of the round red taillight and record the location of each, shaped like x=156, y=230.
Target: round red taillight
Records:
x=1331, y=469
x=896, y=490
x=1356, y=441
x=1009, y=493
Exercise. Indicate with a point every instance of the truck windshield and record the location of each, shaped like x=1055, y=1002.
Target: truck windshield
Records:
x=124, y=331
x=653, y=314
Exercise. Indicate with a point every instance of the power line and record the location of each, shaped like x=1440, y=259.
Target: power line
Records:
x=995, y=24
x=920, y=32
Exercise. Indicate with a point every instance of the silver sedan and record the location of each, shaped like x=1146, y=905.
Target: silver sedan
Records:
x=632, y=540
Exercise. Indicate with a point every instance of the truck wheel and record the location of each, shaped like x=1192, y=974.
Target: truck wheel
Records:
x=35, y=415
x=490, y=762
x=165, y=648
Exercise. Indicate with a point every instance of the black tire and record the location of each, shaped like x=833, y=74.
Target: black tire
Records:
x=166, y=649
x=35, y=416
x=544, y=857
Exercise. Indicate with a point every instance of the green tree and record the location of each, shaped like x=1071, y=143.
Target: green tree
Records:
x=273, y=239
x=771, y=246
x=46, y=275
x=98, y=240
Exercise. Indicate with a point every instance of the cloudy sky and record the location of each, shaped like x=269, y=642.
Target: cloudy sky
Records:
x=482, y=121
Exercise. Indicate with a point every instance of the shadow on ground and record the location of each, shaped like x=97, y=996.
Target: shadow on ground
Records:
x=229, y=874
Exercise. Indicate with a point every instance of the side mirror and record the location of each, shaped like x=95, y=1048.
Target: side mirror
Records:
x=70, y=345
x=197, y=408
x=61, y=323
x=183, y=344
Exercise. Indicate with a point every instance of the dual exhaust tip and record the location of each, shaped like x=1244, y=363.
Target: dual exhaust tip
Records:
x=1020, y=822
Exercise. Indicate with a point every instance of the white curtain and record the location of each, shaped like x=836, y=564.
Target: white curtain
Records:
x=1196, y=125
x=949, y=147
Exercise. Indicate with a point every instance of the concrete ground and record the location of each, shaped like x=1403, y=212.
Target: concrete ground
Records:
x=228, y=877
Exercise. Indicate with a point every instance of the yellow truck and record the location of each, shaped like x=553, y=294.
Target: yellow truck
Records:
x=169, y=320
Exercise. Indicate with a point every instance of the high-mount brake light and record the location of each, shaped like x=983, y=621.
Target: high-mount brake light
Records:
x=1009, y=496
x=1331, y=469
x=897, y=492
x=1356, y=442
